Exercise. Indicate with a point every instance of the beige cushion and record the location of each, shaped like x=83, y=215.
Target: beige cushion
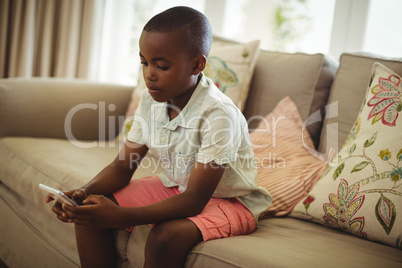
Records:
x=280, y=242
x=360, y=193
x=349, y=89
x=27, y=228
x=303, y=77
x=26, y=162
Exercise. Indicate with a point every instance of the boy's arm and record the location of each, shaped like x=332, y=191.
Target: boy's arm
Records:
x=103, y=214
x=118, y=173
x=112, y=178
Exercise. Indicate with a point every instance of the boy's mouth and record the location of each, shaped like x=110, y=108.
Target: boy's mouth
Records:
x=152, y=90
x=151, y=87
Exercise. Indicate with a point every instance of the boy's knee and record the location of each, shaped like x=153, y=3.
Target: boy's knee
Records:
x=160, y=238
x=169, y=243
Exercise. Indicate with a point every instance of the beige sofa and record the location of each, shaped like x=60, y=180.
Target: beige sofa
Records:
x=34, y=148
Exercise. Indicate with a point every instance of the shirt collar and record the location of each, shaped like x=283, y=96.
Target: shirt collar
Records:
x=184, y=119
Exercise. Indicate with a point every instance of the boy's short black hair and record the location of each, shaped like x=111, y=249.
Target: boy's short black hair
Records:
x=194, y=27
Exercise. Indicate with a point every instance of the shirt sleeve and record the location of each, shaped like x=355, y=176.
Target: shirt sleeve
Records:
x=221, y=135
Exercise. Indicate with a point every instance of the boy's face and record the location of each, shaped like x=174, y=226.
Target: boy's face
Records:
x=167, y=68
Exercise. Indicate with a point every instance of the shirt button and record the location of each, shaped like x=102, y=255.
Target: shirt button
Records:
x=163, y=139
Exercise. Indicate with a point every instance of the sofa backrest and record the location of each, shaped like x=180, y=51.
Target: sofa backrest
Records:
x=41, y=107
x=305, y=78
x=347, y=94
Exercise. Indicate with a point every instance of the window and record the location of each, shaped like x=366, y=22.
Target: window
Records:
x=383, y=29
x=310, y=26
x=122, y=22
x=281, y=25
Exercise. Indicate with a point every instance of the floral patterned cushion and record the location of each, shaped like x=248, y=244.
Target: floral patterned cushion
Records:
x=361, y=191
x=230, y=66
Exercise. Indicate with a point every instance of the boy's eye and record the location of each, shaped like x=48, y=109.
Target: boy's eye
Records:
x=163, y=68
x=144, y=63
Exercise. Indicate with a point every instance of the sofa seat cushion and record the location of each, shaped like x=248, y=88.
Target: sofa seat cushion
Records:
x=26, y=162
x=33, y=235
x=280, y=242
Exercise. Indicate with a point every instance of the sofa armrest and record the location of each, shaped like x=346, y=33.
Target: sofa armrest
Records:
x=60, y=108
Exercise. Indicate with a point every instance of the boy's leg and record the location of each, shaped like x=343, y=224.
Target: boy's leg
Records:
x=169, y=242
x=96, y=248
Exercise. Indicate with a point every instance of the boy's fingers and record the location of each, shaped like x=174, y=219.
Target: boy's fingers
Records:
x=78, y=196
x=63, y=219
x=49, y=199
x=60, y=214
x=57, y=208
x=68, y=208
x=73, y=211
x=92, y=199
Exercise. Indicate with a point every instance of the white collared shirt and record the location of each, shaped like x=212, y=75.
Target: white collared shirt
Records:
x=209, y=128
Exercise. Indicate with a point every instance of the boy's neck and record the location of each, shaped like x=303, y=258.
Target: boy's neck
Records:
x=174, y=110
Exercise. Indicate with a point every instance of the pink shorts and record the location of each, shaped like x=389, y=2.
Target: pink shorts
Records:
x=220, y=217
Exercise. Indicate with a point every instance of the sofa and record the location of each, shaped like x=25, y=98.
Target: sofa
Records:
x=62, y=132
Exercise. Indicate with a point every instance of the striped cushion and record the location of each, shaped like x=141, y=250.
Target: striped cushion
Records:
x=287, y=167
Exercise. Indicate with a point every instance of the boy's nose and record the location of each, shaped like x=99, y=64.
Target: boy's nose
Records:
x=149, y=74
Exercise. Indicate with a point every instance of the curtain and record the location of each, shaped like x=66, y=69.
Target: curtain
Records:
x=48, y=38
x=116, y=45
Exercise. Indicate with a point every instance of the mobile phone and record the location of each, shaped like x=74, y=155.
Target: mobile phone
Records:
x=58, y=195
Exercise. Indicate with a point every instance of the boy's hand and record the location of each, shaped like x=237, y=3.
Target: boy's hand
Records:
x=97, y=212
x=78, y=196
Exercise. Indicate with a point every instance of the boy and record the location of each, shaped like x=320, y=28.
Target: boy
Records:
x=208, y=188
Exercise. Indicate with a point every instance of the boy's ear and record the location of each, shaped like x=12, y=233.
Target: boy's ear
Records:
x=199, y=64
